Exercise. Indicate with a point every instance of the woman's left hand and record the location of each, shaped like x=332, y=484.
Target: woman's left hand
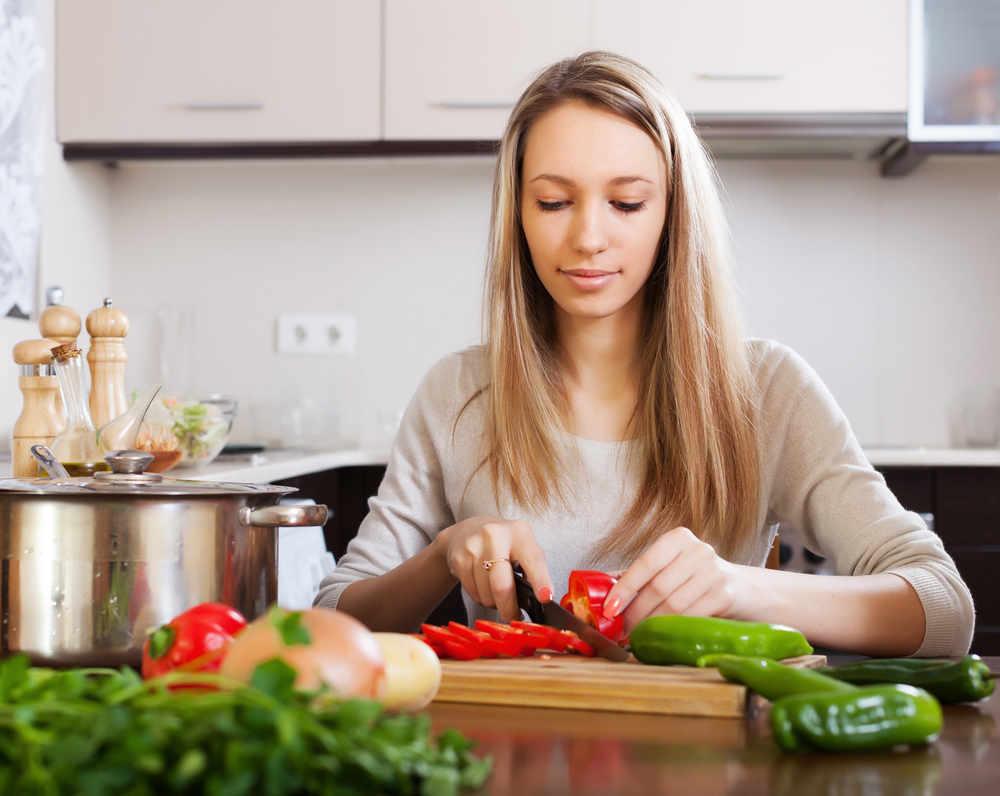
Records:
x=677, y=574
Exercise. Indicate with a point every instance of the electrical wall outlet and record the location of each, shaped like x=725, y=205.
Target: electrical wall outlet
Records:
x=331, y=335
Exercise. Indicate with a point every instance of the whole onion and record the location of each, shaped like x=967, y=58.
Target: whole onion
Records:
x=335, y=649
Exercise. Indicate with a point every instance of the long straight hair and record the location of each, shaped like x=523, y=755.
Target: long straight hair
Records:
x=695, y=417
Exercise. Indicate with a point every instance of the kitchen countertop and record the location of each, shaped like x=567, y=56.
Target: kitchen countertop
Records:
x=264, y=468
x=933, y=457
x=552, y=752
x=269, y=466
x=276, y=465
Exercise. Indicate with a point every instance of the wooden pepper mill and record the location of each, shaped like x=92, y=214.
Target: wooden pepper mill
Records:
x=107, y=327
x=61, y=324
x=40, y=421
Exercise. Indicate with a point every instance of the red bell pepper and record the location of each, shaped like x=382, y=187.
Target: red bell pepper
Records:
x=440, y=651
x=456, y=646
x=528, y=639
x=492, y=639
x=193, y=641
x=585, y=598
x=558, y=639
x=489, y=647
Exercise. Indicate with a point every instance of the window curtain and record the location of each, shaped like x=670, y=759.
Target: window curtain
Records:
x=22, y=104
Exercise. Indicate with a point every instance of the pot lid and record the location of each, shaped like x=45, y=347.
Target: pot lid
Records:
x=127, y=478
x=163, y=488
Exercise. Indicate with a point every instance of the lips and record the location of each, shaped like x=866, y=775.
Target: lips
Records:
x=586, y=279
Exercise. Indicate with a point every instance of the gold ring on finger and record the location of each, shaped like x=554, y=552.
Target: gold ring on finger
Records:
x=488, y=565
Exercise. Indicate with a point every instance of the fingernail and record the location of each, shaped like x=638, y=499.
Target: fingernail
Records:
x=545, y=594
x=611, y=608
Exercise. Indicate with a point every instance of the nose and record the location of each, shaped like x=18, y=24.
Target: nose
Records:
x=590, y=233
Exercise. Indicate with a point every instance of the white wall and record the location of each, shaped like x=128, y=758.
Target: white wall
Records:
x=397, y=244
x=888, y=287
x=75, y=244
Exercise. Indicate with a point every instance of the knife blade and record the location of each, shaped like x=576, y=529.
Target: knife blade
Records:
x=554, y=615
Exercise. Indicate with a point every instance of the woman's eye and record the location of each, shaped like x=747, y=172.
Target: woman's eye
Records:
x=629, y=207
x=549, y=206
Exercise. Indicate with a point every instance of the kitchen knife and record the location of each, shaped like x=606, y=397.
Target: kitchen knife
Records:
x=554, y=615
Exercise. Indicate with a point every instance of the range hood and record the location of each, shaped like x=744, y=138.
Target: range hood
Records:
x=801, y=135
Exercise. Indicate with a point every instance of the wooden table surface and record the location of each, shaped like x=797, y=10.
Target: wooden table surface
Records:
x=550, y=751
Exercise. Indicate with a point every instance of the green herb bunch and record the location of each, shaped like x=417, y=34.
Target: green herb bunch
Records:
x=90, y=732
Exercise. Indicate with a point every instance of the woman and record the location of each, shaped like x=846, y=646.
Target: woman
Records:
x=617, y=419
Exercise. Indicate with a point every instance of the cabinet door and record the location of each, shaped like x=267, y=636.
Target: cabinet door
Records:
x=454, y=68
x=765, y=56
x=217, y=70
x=967, y=505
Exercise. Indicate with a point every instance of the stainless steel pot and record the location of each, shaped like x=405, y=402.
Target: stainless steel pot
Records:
x=90, y=565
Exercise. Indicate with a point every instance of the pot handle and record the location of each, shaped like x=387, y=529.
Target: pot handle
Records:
x=284, y=516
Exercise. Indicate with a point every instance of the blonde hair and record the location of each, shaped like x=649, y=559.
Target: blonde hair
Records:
x=695, y=417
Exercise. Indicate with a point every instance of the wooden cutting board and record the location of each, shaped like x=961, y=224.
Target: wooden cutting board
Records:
x=570, y=681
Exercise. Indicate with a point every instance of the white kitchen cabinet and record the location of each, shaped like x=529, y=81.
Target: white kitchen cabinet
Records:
x=453, y=68
x=217, y=70
x=765, y=56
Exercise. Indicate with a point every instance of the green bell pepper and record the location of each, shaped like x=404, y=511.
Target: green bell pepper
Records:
x=967, y=680
x=872, y=717
x=684, y=639
x=773, y=680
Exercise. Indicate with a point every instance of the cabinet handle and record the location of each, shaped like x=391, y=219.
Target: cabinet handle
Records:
x=742, y=76
x=224, y=106
x=476, y=103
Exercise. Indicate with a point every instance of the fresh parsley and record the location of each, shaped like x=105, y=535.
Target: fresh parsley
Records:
x=90, y=732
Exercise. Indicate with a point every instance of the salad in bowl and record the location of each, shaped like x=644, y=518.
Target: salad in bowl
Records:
x=195, y=425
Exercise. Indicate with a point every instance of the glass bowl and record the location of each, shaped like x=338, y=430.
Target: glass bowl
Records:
x=201, y=424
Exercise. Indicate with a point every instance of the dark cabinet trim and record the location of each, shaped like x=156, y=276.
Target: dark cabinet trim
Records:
x=113, y=152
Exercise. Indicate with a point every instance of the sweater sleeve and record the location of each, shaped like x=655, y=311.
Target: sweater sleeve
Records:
x=819, y=480
x=411, y=506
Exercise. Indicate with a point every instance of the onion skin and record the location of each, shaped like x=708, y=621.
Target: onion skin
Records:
x=342, y=654
x=412, y=672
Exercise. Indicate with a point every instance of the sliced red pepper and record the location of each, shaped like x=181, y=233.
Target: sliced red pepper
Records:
x=558, y=639
x=488, y=646
x=457, y=647
x=587, y=591
x=193, y=641
x=440, y=651
x=461, y=651
x=508, y=633
x=474, y=638
x=581, y=647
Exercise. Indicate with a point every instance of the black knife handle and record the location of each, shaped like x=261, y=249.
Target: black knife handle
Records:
x=526, y=599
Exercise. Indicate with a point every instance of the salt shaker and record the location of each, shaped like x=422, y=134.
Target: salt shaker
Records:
x=107, y=326
x=41, y=419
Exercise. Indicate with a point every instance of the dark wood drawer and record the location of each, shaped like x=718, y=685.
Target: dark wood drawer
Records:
x=979, y=567
x=986, y=642
x=345, y=491
x=967, y=505
x=912, y=486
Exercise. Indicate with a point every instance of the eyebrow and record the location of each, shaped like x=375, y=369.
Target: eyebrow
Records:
x=624, y=180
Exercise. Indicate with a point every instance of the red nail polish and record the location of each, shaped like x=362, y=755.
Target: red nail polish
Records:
x=611, y=608
x=545, y=594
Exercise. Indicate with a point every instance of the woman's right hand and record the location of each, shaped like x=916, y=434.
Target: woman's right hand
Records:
x=467, y=544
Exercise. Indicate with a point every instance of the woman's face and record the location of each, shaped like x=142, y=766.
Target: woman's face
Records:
x=593, y=206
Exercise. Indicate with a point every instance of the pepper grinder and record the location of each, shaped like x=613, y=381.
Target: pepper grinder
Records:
x=62, y=325
x=40, y=420
x=107, y=327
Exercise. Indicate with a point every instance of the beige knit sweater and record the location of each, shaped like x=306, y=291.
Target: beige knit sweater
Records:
x=814, y=476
